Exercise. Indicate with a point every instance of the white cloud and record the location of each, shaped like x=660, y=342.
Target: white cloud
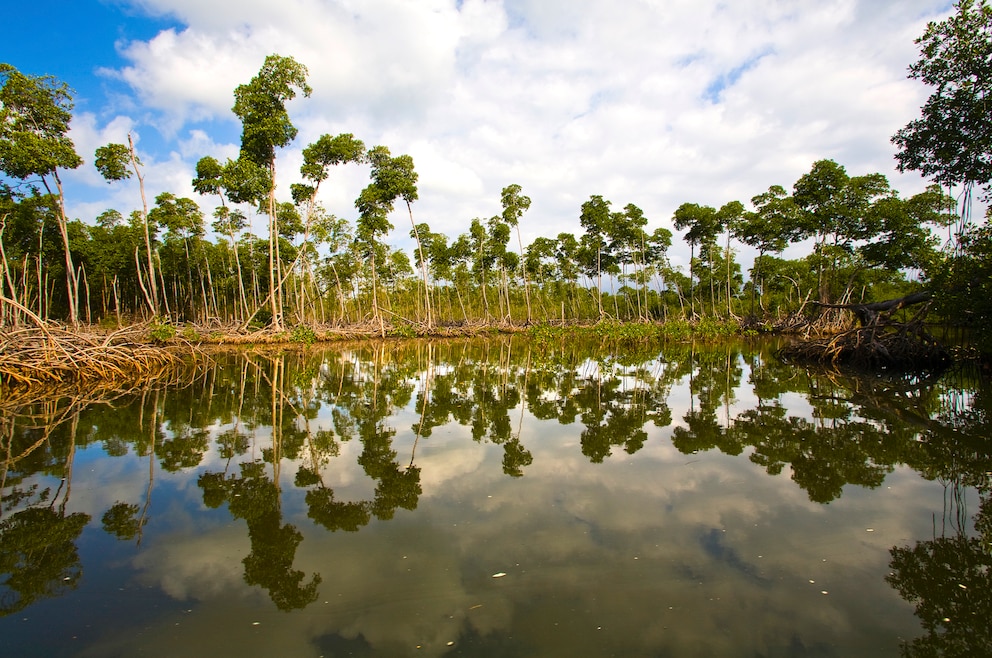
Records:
x=650, y=103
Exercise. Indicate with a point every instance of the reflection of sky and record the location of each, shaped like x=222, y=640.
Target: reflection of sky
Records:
x=656, y=553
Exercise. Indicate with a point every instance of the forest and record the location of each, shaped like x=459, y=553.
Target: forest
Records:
x=170, y=263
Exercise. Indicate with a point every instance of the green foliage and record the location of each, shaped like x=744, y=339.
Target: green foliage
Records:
x=952, y=140
x=112, y=161
x=403, y=330
x=303, y=334
x=962, y=286
x=38, y=556
x=161, y=332
x=34, y=123
x=261, y=106
x=261, y=319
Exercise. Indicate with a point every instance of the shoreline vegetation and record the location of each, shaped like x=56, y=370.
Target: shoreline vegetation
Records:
x=48, y=359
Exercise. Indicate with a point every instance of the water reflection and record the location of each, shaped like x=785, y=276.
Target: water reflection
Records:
x=367, y=445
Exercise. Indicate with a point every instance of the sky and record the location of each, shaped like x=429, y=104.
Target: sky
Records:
x=640, y=101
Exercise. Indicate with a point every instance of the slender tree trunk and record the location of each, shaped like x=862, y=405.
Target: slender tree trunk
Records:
x=72, y=284
x=153, y=283
x=523, y=271
x=423, y=266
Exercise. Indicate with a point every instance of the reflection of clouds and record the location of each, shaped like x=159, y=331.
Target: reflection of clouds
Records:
x=631, y=557
x=196, y=566
x=658, y=552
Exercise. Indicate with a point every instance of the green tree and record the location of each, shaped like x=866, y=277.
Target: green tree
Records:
x=703, y=226
x=836, y=209
x=768, y=229
x=515, y=205
x=182, y=219
x=963, y=285
x=34, y=121
x=237, y=181
x=261, y=106
x=117, y=162
x=392, y=178
x=596, y=219
x=951, y=142
x=730, y=215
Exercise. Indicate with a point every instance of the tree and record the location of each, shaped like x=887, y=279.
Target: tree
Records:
x=730, y=216
x=237, y=181
x=835, y=209
x=261, y=106
x=318, y=158
x=952, y=140
x=392, y=178
x=515, y=205
x=703, y=225
x=596, y=219
x=963, y=285
x=34, y=121
x=768, y=229
x=117, y=162
x=183, y=221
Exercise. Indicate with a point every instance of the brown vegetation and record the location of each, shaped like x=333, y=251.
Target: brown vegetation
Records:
x=878, y=342
x=45, y=356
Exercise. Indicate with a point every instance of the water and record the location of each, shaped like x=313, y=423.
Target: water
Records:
x=500, y=498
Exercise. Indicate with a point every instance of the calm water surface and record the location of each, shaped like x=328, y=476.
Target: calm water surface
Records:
x=500, y=498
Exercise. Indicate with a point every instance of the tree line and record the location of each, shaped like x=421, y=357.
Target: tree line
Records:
x=863, y=241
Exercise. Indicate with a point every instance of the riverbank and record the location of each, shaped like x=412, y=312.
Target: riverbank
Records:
x=52, y=357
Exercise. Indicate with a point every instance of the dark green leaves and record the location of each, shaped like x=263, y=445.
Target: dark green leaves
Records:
x=952, y=140
x=261, y=106
x=112, y=162
x=34, y=119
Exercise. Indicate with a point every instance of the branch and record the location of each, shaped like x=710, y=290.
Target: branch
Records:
x=868, y=313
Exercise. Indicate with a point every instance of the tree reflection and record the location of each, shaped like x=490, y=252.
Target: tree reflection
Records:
x=255, y=498
x=254, y=414
x=949, y=581
x=38, y=556
x=949, y=578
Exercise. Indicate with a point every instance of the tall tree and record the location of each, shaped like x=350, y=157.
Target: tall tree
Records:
x=515, y=205
x=117, y=162
x=261, y=106
x=34, y=121
x=392, y=178
x=835, y=207
x=703, y=226
x=730, y=216
x=767, y=229
x=318, y=158
x=596, y=219
x=951, y=142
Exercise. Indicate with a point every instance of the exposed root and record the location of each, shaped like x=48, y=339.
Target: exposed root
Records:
x=54, y=359
x=905, y=347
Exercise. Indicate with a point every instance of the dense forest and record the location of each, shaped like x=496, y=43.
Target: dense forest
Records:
x=169, y=261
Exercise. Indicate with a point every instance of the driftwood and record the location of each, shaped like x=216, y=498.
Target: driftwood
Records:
x=878, y=343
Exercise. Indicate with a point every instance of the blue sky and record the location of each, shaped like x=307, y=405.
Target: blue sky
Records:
x=641, y=102
x=78, y=38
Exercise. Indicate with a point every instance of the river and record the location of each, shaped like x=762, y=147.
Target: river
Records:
x=501, y=497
